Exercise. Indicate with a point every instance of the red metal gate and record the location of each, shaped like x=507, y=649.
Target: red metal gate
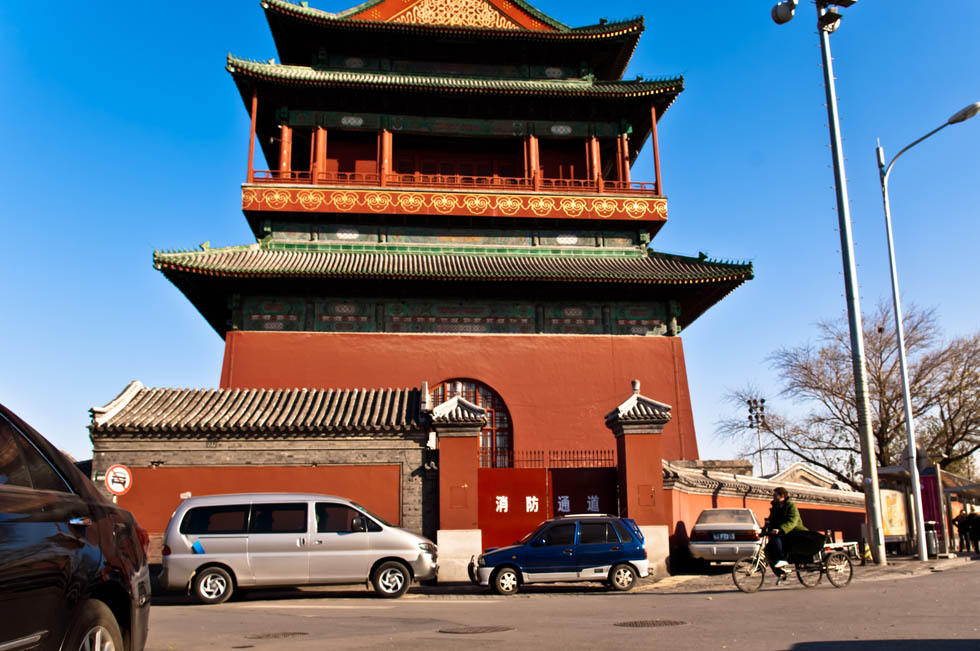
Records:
x=513, y=501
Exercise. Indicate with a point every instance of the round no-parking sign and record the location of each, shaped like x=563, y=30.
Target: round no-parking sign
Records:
x=118, y=479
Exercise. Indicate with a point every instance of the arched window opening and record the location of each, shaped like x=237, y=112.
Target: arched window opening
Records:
x=497, y=436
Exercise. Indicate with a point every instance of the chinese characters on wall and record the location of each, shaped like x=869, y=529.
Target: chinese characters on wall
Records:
x=532, y=504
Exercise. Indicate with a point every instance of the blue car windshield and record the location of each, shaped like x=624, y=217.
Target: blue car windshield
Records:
x=534, y=532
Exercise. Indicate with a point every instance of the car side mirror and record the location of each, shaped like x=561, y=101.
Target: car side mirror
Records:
x=538, y=542
x=357, y=524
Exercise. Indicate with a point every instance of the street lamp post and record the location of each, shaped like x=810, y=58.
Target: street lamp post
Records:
x=757, y=420
x=828, y=19
x=970, y=111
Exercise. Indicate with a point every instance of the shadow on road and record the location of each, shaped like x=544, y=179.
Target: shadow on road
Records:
x=887, y=645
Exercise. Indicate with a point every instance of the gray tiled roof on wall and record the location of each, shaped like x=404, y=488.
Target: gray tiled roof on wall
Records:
x=259, y=412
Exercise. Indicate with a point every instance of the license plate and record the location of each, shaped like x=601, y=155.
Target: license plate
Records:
x=724, y=536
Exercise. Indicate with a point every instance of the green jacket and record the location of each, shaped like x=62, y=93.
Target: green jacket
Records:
x=785, y=517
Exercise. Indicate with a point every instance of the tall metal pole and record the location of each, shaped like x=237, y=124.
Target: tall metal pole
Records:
x=868, y=457
x=883, y=172
x=920, y=525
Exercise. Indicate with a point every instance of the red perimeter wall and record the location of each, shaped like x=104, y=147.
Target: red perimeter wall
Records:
x=687, y=507
x=558, y=388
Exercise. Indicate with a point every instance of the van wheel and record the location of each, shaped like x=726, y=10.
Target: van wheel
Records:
x=622, y=577
x=95, y=629
x=213, y=585
x=391, y=580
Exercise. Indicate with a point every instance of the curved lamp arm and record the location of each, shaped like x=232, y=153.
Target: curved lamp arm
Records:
x=960, y=116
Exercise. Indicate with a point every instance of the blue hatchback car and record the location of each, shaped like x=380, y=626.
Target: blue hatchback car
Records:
x=570, y=548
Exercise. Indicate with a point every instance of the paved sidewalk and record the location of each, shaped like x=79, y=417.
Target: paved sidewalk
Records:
x=902, y=566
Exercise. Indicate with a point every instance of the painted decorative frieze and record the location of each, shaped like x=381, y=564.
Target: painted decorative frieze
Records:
x=396, y=202
x=455, y=13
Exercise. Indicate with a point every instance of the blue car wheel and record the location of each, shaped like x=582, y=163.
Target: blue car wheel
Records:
x=622, y=577
x=505, y=581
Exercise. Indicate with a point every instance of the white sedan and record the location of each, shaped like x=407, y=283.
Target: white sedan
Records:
x=724, y=535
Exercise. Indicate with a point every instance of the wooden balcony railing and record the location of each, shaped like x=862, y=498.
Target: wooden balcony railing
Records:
x=441, y=181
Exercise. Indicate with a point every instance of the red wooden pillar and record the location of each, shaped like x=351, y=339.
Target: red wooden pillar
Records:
x=320, y=162
x=384, y=161
x=535, y=159
x=595, y=162
x=250, y=174
x=527, y=165
x=625, y=150
x=285, y=150
x=619, y=160
x=656, y=149
x=637, y=425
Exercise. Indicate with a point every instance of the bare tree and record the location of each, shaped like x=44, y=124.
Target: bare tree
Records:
x=952, y=430
x=818, y=378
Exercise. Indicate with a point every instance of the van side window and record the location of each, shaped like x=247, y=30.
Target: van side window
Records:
x=278, y=518
x=204, y=520
x=624, y=535
x=335, y=518
x=593, y=533
x=561, y=534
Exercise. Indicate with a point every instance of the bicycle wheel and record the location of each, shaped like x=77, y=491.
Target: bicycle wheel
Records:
x=839, y=569
x=748, y=574
x=809, y=573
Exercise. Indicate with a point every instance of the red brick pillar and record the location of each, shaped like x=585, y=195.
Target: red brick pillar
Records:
x=459, y=461
x=637, y=425
x=457, y=424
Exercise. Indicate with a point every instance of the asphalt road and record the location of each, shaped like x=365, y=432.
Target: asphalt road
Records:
x=928, y=610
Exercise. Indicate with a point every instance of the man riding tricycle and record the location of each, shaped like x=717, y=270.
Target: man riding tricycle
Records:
x=785, y=541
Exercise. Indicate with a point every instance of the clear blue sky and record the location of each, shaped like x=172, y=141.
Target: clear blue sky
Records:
x=123, y=134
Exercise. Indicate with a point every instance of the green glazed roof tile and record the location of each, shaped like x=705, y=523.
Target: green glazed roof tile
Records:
x=307, y=76
x=257, y=261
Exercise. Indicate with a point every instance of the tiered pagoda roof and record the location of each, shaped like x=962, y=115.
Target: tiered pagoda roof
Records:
x=397, y=27
x=697, y=283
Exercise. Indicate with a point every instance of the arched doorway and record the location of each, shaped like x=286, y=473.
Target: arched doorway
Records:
x=497, y=436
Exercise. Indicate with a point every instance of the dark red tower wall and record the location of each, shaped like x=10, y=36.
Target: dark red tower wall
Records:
x=558, y=388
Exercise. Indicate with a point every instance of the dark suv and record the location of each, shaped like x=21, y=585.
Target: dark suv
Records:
x=570, y=548
x=73, y=567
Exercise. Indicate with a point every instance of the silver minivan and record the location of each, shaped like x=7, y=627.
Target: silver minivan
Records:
x=217, y=543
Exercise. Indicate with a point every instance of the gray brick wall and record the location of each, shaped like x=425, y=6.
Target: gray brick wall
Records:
x=419, y=486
